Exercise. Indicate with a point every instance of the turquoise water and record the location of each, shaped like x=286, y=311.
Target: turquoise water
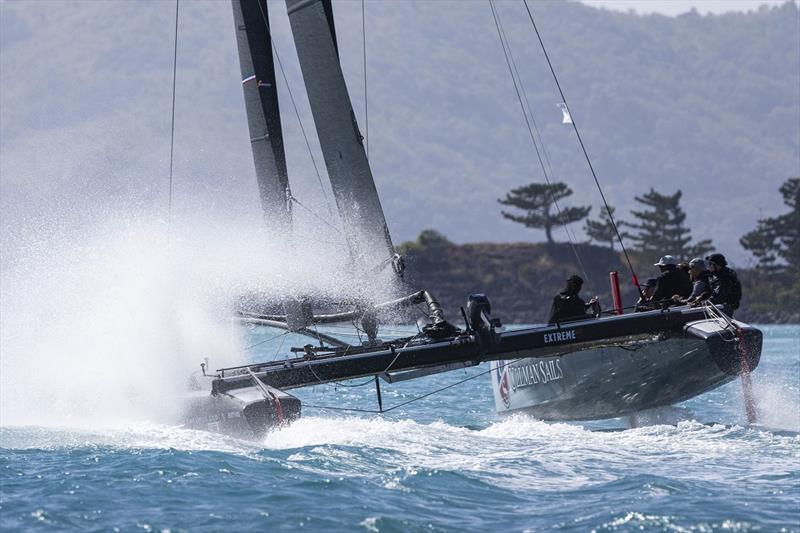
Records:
x=445, y=463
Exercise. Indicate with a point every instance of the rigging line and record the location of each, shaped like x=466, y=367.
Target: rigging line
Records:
x=267, y=340
x=436, y=391
x=506, y=44
x=280, y=346
x=366, y=101
x=502, y=364
x=566, y=226
x=172, y=124
x=295, y=200
x=371, y=378
x=585, y=153
x=412, y=400
x=296, y=112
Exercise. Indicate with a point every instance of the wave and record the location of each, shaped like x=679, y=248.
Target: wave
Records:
x=516, y=452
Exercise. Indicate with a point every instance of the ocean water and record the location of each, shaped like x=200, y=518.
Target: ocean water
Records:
x=443, y=463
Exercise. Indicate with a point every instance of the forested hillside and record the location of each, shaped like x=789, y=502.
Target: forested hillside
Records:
x=521, y=279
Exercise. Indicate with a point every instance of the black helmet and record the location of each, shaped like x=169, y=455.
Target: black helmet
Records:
x=575, y=279
x=717, y=259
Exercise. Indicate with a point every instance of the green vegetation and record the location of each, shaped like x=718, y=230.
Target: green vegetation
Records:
x=776, y=241
x=661, y=227
x=536, y=201
x=774, y=286
x=602, y=230
x=428, y=239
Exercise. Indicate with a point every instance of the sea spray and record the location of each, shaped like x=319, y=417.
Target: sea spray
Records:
x=96, y=331
x=104, y=326
x=778, y=402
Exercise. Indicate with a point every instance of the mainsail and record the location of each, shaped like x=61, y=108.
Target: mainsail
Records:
x=263, y=115
x=342, y=143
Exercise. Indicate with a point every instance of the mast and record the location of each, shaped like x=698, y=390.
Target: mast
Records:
x=263, y=115
x=342, y=143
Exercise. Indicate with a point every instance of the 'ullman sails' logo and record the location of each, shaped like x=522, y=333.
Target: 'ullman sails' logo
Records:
x=535, y=373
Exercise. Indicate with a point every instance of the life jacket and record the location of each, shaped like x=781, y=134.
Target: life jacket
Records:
x=672, y=281
x=726, y=288
x=567, y=307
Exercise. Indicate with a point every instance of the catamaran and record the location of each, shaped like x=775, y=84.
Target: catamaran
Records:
x=602, y=367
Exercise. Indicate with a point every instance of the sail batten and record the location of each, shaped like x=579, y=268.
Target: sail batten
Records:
x=340, y=138
x=263, y=113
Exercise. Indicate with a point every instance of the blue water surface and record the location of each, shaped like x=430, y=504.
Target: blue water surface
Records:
x=444, y=463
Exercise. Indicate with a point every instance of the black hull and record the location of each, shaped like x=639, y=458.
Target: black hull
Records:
x=243, y=413
x=361, y=361
x=612, y=381
x=591, y=369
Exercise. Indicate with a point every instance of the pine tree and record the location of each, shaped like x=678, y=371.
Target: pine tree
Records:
x=661, y=228
x=431, y=237
x=602, y=230
x=778, y=237
x=536, y=201
x=761, y=243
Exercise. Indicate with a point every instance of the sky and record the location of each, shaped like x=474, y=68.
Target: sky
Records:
x=676, y=7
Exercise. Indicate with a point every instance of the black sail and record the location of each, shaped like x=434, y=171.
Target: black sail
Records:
x=263, y=115
x=341, y=141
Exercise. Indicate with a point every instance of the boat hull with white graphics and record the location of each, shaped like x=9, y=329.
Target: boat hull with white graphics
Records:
x=630, y=377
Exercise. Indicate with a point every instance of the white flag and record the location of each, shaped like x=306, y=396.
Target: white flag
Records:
x=567, y=118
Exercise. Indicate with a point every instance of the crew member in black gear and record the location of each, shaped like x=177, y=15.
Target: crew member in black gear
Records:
x=701, y=283
x=648, y=288
x=672, y=281
x=725, y=287
x=568, y=306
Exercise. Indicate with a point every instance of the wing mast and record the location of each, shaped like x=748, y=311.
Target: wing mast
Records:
x=342, y=143
x=263, y=115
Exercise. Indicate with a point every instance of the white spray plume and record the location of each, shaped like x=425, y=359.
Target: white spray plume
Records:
x=103, y=328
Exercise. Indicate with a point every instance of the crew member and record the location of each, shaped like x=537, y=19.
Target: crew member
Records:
x=701, y=283
x=725, y=287
x=568, y=306
x=672, y=281
x=648, y=288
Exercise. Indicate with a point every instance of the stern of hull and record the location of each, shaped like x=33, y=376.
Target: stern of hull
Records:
x=243, y=412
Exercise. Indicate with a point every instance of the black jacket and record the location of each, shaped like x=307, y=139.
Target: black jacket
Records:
x=725, y=288
x=567, y=307
x=671, y=282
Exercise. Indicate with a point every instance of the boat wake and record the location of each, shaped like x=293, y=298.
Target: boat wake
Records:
x=518, y=448
x=521, y=451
